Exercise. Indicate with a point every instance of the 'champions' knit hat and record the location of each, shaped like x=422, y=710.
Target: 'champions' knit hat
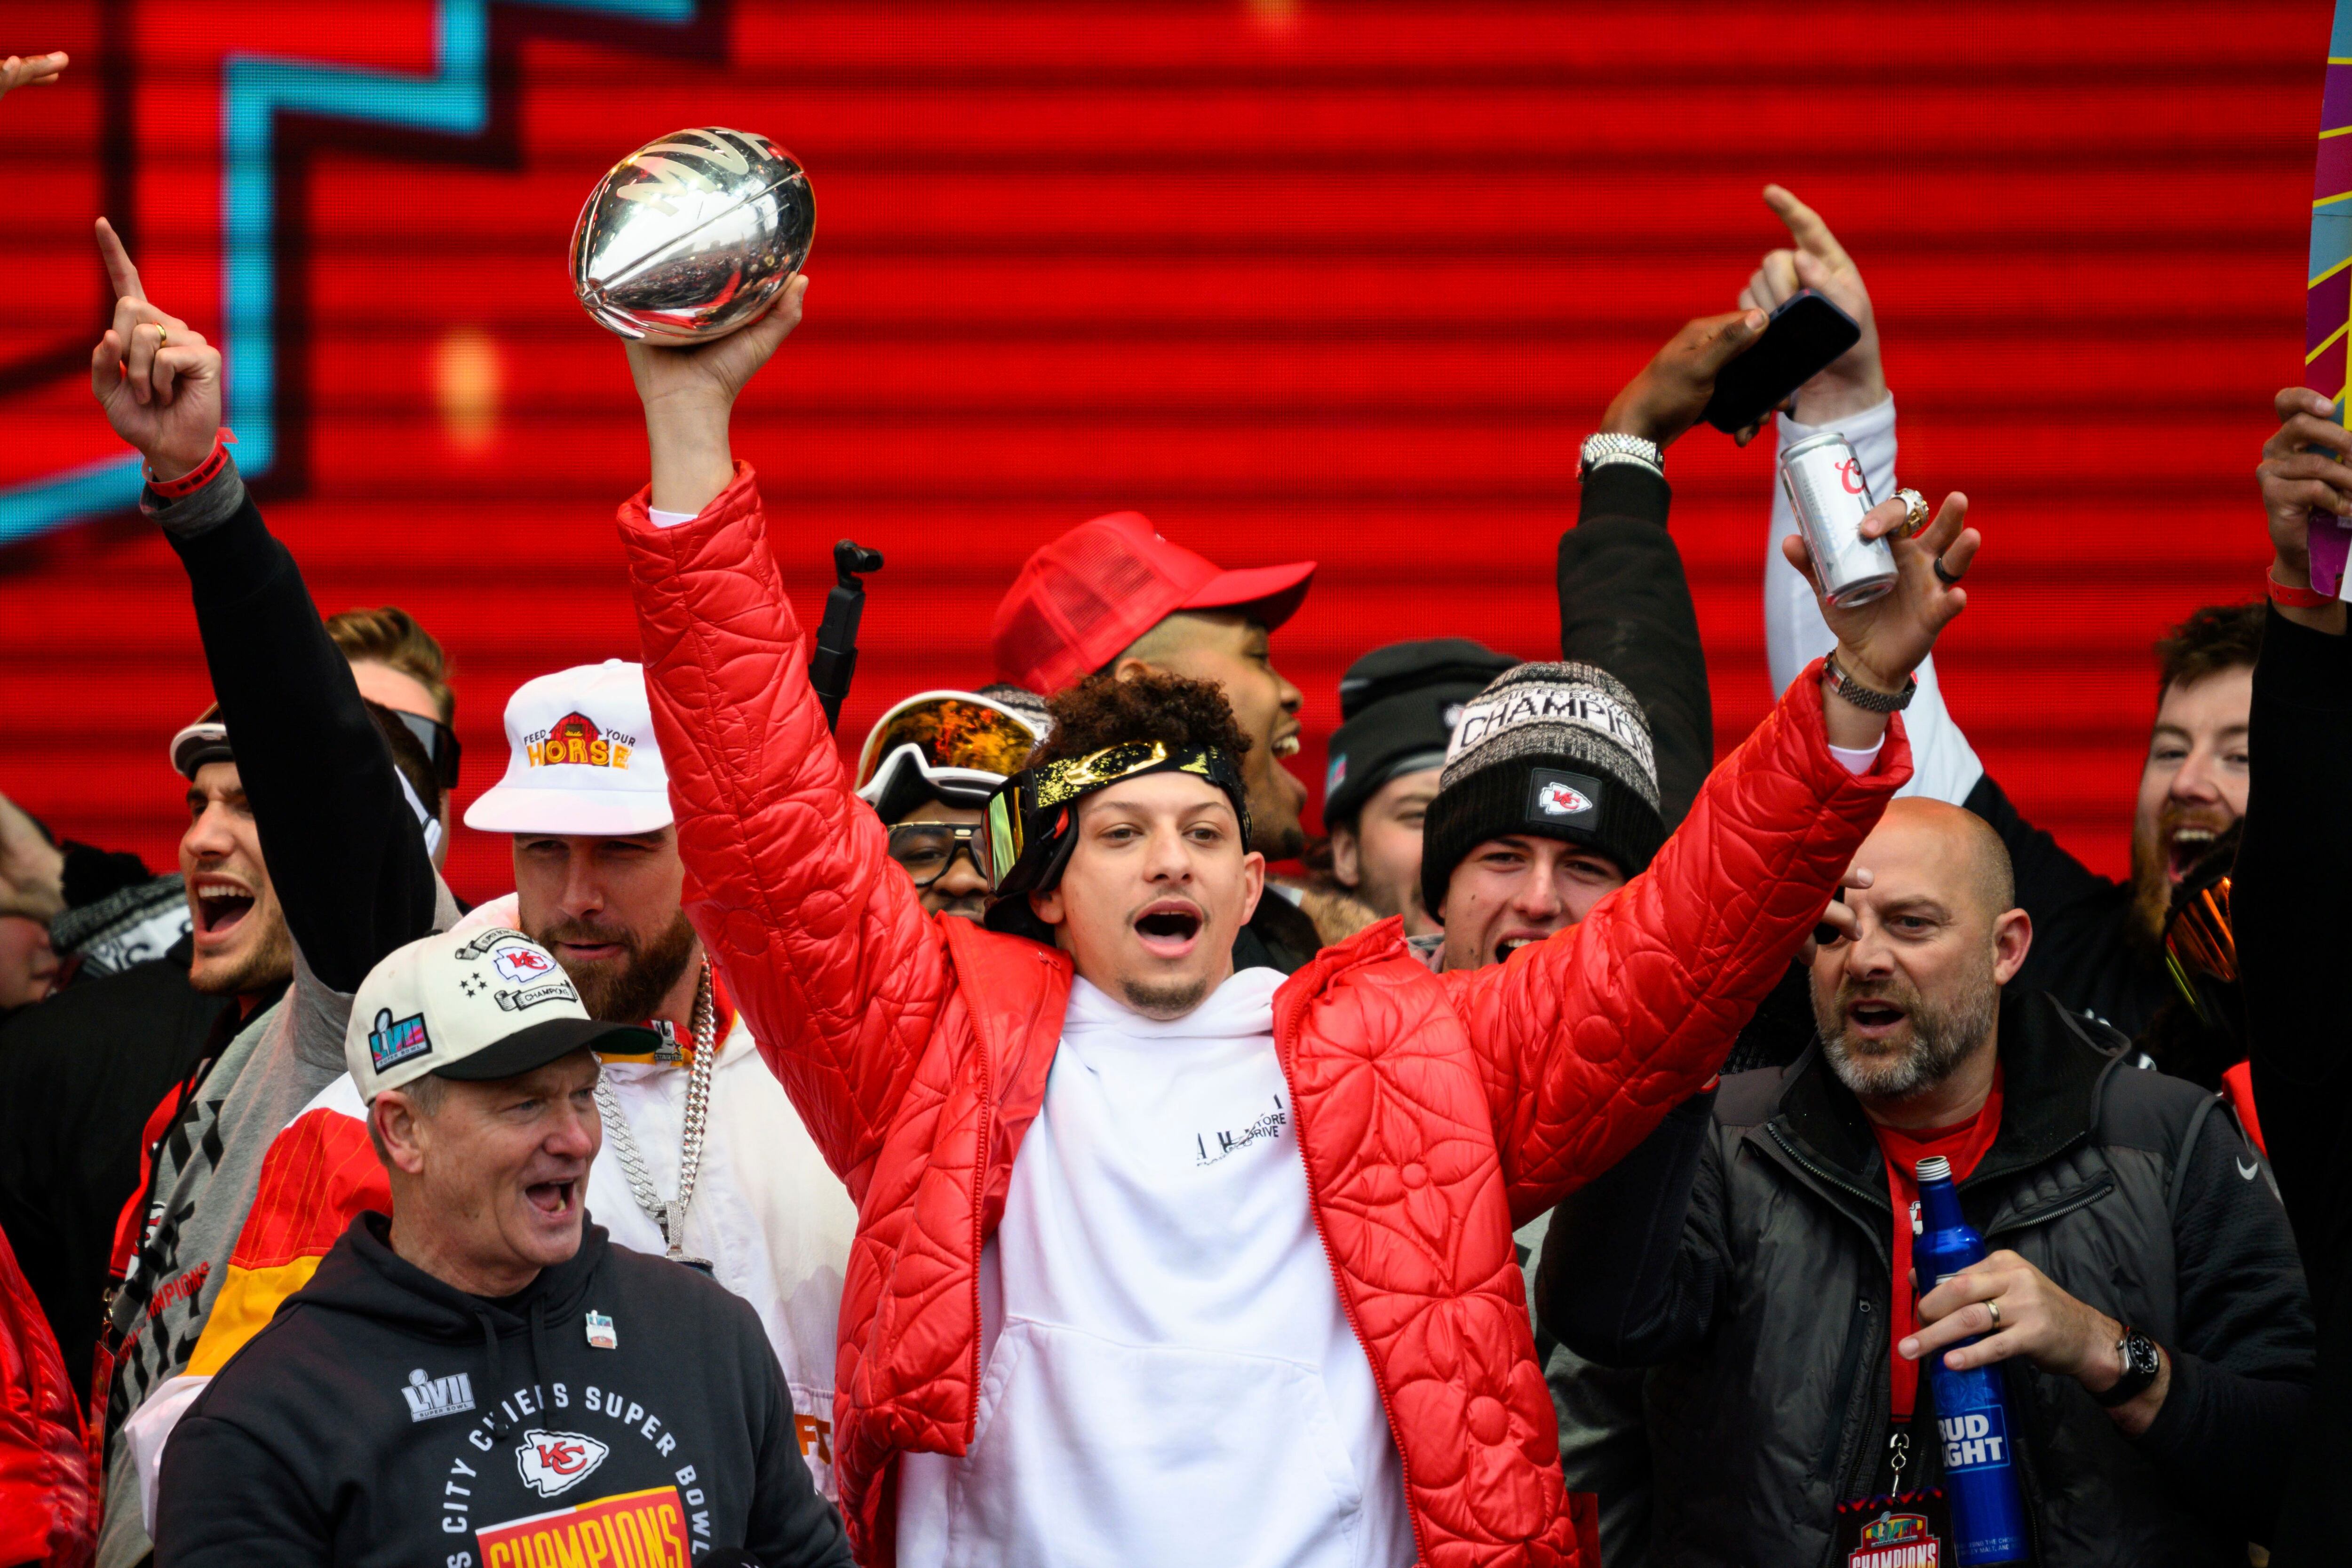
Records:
x=1399, y=705
x=1561, y=751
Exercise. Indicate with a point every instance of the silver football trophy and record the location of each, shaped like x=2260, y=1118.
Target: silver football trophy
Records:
x=692, y=236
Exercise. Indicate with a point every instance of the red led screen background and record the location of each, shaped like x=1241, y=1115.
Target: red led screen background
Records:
x=1297, y=278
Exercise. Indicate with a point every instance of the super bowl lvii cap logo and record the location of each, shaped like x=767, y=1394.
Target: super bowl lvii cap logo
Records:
x=391, y=1043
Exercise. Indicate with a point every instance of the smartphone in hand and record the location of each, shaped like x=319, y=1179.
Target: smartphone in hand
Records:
x=1803, y=339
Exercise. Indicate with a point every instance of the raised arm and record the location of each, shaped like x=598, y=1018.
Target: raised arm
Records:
x=1851, y=398
x=1591, y=1034
x=2298, y=853
x=345, y=848
x=1624, y=602
x=821, y=938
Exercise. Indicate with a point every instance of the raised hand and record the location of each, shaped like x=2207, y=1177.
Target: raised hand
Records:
x=158, y=380
x=1881, y=643
x=1855, y=381
x=32, y=869
x=1671, y=391
x=23, y=71
x=688, y=394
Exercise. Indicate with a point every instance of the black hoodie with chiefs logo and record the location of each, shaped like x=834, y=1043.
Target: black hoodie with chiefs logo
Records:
x=623, y=1412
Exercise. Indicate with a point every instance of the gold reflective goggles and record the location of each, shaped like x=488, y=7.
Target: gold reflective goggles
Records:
x=949, y=730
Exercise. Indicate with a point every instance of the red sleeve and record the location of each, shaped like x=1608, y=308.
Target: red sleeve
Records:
x=824, y=942
x=1587, y=1039
x=47, y=1513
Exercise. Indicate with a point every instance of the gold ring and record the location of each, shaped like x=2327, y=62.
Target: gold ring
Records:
x=1994, y=1308
x=1914, y=513
x=161, y=337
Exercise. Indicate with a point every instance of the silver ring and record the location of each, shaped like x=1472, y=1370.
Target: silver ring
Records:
x=1948, y=578
x=1994, y=1308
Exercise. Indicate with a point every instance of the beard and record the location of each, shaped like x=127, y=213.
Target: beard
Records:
x=1941, y=1037
x=267, y=962
x=629, y=988
x=2152, y=864
x=1165, y=998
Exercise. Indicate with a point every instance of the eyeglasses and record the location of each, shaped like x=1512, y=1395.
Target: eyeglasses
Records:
x=927, y=849
x=439, y=741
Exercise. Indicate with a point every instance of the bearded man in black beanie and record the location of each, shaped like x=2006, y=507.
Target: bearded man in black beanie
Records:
x=1549, y=803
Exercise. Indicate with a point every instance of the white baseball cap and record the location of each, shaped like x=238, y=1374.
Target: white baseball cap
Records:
x=477, y=1005
x=581, y=758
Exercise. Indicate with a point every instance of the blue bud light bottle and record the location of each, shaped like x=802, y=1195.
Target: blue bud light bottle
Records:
x=1972, y=1407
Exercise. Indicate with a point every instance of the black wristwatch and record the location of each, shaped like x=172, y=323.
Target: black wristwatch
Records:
x=2142, y=1362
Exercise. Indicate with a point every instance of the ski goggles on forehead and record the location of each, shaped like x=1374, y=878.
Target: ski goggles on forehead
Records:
x=949, y=734
x=1027, y=835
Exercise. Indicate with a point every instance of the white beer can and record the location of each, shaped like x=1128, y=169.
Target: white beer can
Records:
x=1830, y=497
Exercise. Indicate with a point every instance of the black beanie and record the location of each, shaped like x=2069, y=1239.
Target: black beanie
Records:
x=1560, y=751
x=1399, y=704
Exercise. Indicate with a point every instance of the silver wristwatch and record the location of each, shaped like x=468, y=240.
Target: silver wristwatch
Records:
x=1865, y=697
x=1611, y=447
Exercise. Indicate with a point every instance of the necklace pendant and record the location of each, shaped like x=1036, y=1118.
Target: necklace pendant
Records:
x=699, y=1265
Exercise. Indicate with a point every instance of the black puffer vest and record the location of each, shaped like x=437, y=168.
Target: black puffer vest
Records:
x=1784, y=1409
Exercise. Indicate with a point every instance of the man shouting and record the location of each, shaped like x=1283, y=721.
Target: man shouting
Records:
x=1157, y=1261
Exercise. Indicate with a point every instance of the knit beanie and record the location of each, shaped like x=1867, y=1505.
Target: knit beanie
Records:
x=1560, y=750
x=1399, y=704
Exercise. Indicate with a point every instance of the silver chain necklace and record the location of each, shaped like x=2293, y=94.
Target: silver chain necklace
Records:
x=671, y=1216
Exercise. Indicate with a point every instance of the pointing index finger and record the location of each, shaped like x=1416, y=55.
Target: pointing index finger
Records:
x=121, y=275
x=1805, y=225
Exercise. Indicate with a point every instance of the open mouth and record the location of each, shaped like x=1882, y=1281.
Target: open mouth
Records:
x=551, y=1198
x=2189, y=845
x=1287, y=744
x=1168, y=928
x=221, y=906
x=1872, y=1017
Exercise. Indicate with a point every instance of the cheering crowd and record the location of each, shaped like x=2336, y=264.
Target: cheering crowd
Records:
x=980, y=1156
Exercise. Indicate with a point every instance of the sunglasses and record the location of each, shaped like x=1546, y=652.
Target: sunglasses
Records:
x=439, y=741
x=927, y=849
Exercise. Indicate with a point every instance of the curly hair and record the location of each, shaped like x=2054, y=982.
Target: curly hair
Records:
x=1103, y=710
x=2217, y=638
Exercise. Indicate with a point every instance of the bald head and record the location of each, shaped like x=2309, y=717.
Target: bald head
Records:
x=1951, y=845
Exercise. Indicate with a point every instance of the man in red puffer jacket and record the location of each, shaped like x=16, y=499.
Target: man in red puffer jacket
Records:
x=1157, y=1262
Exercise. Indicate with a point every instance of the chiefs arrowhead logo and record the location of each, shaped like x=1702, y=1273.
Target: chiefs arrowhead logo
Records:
x=521, y=964
x=1561, y=801
x=552, y=1462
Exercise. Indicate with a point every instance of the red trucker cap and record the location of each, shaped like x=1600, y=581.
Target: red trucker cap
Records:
x=1082, y=599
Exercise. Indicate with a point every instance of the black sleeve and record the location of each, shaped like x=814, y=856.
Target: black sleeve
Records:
x=1632, y=1259
x=226, y=1500
x=791, y=1525
x=346, y=854
x=2229, y=1427
x=2288, y=906
x=1626, y=605
x=2081, y=952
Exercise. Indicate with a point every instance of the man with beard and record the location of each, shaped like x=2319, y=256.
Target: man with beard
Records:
x=929, y=766
x=2143, y=1295
x=703, y=1159
x=2096, y=942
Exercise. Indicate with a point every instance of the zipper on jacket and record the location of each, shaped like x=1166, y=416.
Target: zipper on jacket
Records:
x=1282, y=1043
x=2058, y=1209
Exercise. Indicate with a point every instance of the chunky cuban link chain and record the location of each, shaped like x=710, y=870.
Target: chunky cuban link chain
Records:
x=671, y=1216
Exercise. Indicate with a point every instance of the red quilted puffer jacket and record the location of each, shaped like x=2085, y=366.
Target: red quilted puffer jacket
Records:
x=1435, y=1113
